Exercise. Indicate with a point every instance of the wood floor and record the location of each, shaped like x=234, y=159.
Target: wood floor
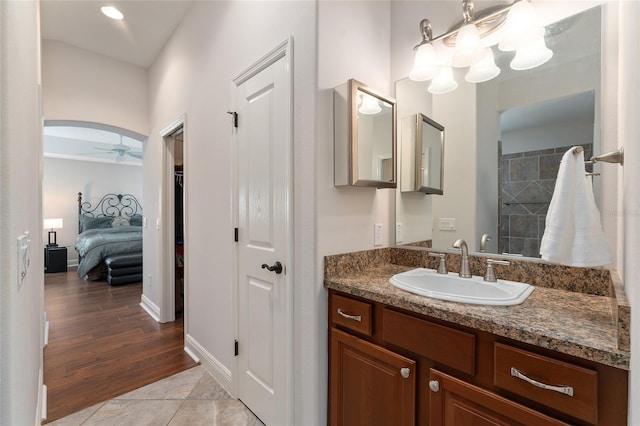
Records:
x=103, y=344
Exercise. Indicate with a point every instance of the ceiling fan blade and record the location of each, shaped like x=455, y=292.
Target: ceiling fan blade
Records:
x=135, y=154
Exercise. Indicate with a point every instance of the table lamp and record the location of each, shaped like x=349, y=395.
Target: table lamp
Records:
x=52, y=224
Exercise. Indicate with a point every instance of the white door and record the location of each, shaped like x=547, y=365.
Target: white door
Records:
x=263, y=103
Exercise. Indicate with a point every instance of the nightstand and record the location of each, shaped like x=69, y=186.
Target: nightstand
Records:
x=55, y=259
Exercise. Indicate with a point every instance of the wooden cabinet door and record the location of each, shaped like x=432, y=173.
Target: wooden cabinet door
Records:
x=369, y=385
x=455, y=402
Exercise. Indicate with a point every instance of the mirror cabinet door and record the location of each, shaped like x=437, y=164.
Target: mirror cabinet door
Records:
x=364, y=137
x=429, y=156
x=422, y=155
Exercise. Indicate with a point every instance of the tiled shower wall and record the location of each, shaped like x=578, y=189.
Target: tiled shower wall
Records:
x=526, y=181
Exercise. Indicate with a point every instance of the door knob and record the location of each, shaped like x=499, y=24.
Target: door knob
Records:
x=276, y=267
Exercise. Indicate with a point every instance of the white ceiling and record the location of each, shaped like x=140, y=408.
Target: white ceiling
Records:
x=137, y=39
x=90, y=144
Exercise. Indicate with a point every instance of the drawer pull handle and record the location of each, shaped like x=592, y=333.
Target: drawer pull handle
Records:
x=567, y=390
x=434, y=385
x=347, y=316
x=405, y=372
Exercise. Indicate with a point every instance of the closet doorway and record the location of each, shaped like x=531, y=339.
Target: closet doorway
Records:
x=174, y=253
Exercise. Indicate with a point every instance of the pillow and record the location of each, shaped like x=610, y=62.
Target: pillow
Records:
x=119, y=221
x=136, y=220
x=88, y=222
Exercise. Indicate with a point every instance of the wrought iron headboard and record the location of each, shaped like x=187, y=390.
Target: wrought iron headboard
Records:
x=112, y=205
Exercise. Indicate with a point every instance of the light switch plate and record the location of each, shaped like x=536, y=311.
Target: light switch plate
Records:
x=447, y=224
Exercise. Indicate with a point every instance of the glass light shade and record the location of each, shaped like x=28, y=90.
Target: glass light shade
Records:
x=443, y=82
x=512, y=40
x=467, y=51
x=370, y=105
x=444, y=54
x=425, y=64
x=468, y=39
x=484, y=70
x=531, y=55
x=55, y=223
x=520, y=20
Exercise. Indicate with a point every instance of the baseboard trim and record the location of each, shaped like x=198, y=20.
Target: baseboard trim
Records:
x=152, y=309
x=221, y=373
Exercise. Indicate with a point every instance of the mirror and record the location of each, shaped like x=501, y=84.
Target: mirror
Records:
x=364, y=137
x=422, y=154
x=493, y=129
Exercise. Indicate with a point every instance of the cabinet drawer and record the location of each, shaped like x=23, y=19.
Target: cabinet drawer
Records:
x=447, y=346
x=351, y=313
x=565, y=387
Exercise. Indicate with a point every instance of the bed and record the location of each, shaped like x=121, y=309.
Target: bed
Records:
x=111, y=228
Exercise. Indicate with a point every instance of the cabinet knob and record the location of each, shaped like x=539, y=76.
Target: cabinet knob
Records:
x=434, y=385
x=405, y=372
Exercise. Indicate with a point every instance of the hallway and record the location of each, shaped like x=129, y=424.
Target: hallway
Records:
x=103, y=344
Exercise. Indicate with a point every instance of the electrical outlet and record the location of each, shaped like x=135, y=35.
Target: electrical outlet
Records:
x=399, y=235
x=377, y=234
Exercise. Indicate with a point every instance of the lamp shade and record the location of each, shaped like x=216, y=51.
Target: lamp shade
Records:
x=531, y=55
x=484, y=70
x=425, y=65
x=443, y=82
x=55, y=223
x=370, y=105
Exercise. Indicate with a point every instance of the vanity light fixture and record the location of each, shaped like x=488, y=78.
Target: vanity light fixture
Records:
x=512, y=27
x=369, y=105
x=112, y=12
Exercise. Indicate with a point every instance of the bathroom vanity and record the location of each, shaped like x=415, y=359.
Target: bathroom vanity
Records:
x=396, y=358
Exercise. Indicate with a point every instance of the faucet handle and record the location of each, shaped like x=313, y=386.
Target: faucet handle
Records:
x=490, y=276
x=442, y=266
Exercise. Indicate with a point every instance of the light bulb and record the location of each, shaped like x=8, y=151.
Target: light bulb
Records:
x=425, y=65
x=443, y=82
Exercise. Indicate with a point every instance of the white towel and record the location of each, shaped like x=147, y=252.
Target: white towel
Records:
x=573, y=234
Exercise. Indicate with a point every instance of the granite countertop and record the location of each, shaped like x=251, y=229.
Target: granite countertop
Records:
x=574, y=323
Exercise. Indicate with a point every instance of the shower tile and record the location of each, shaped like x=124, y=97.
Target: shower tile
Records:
x=523, y=169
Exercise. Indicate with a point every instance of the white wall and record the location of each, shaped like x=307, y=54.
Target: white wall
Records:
x=63, y=179
x=192, y=77
x=353, y=42
x=21, y=301
x=85, y=86
x=629, y=229
x=568, y=133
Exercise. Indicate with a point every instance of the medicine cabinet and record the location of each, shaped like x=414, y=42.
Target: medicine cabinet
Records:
x=364, y=137
x=422, y=155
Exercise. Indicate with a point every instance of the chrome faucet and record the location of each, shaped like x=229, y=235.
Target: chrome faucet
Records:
x=465, y=271
x=483, y=242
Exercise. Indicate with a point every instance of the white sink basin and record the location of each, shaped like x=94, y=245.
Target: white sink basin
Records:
x=427, y=282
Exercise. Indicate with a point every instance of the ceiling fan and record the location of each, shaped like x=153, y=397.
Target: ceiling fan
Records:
x=121, y=150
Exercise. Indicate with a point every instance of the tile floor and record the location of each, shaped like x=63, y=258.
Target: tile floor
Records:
x=192, y=397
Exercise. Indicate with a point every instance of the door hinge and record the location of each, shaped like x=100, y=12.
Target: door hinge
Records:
x=235, y=347
x=235, y=234
x=235, y=118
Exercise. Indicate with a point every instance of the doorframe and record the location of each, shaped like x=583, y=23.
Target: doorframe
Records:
x=283, y=50
x=166, y=223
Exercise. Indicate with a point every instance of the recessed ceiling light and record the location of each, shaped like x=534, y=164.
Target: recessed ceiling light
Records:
x=112, y=12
